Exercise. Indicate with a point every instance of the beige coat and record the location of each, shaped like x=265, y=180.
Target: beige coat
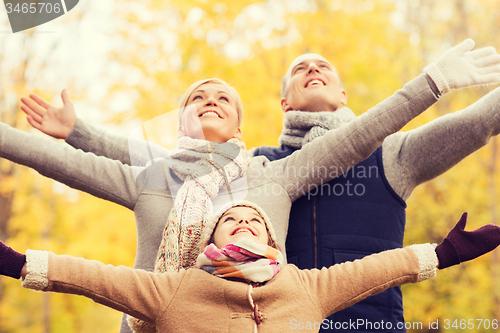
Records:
x=195, y=301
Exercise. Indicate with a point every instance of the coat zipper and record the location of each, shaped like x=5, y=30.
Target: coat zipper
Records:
x=315, y=234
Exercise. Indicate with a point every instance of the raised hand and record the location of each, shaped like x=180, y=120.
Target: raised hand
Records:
x=51, y=120
x=461, y=245
x=459, y=67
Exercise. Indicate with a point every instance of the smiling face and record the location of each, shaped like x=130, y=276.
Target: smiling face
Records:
x=312, y=84
x=240, y=222
x=211, y=113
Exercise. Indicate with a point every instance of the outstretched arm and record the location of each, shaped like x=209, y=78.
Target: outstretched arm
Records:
x=414, y=157
x=99, y=176
x=89, y=138
x=136, y=292
x=351, y=282
x=62, y=123
x=339, y=150
x=375, y=273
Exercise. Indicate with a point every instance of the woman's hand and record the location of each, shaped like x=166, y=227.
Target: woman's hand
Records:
x=56, y=122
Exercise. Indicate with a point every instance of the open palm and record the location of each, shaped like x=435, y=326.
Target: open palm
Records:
x=49, y=119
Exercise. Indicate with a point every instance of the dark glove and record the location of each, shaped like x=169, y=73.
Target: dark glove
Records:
x=461, y=245
x=11, y=262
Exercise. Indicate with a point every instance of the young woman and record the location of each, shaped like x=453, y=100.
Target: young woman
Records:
x=239, y=283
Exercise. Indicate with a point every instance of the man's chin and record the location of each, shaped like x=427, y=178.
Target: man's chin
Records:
x=318, y=108
x=316, y=101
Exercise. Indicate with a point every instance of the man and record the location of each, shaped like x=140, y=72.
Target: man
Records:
x=363, y=211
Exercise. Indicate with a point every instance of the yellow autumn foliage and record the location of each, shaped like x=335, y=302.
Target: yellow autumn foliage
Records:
x=156, y=49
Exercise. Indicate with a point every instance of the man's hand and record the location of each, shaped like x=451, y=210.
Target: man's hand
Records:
x=459, y=67
x=56, y=122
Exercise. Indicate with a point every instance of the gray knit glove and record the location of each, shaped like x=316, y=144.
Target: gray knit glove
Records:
x=459, y=67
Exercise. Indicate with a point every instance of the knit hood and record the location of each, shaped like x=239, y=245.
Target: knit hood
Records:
x=212, y=222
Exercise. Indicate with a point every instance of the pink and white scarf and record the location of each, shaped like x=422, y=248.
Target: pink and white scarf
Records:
x=243, y=259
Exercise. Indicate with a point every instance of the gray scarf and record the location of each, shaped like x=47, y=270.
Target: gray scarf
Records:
x=301, y=127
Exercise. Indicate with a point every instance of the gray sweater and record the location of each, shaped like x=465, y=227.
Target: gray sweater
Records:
x=416, y=156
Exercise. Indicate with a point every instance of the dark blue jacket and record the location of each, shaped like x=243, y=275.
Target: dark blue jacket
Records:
x=345, y=219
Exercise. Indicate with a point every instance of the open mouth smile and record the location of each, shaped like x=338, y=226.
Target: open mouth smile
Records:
x=314, y=82
x=209, y=114
x=241, y=230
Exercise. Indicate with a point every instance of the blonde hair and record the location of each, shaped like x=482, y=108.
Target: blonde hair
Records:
x=232, y=92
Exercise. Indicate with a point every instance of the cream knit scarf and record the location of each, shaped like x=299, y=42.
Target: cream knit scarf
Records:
x=301, y=127
x=205, y=167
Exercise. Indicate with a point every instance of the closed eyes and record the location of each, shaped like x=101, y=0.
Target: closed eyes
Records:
x=221, y=98
x=300, y=68
x=229, y=218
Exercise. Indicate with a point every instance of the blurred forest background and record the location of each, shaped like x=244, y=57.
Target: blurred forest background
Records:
x=125, y=62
